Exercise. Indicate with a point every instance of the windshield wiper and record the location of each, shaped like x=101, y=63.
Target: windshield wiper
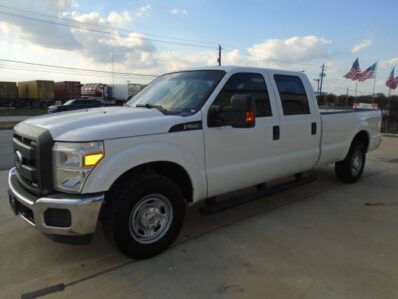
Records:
x=151, y=106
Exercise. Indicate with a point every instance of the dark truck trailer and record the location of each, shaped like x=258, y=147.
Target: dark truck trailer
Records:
x=8, y=93
x=67, y=90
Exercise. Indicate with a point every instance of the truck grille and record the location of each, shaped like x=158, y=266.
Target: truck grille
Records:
x=25, y=161
x=33, y=158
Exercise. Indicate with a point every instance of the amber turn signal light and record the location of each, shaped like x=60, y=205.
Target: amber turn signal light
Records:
x=250, y=117
x=92, y=159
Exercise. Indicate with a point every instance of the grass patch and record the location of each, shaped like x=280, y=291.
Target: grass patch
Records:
x=12, y=112
x=7, y=125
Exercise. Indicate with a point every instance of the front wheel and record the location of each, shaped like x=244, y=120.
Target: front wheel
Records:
x=351, y=168
x=143, y=215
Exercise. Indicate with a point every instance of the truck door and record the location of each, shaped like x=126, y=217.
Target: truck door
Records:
x=241, y=157
x=299, y=122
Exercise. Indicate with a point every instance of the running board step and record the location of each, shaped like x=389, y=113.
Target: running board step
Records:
x=216, y=207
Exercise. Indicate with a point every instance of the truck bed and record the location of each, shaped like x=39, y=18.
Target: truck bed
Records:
x=337, y=111
x=339, y=127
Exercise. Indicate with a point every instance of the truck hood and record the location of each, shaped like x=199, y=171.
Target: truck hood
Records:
x=104, y=123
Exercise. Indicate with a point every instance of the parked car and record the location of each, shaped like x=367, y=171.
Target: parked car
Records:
x=75, y=105
x=187, y=137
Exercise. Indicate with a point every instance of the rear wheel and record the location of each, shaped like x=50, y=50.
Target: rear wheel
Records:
x=143, y=215
x=351, y=168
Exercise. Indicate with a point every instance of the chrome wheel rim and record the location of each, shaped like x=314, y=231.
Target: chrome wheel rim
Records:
x=356, y=163
x=150, y=218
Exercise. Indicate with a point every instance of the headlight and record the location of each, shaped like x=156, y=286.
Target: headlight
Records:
x=73, y=162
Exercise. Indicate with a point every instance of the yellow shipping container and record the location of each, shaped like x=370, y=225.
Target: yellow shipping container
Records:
x=36, y=90
x=8, y=90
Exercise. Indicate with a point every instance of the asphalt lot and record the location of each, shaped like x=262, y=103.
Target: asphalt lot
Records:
x=6, y=154
x=321, y=240
x=14, y=117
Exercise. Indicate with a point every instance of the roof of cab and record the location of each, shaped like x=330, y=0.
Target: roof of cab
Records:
x=236, y=69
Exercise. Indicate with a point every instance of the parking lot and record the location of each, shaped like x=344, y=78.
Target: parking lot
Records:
x=321, y=240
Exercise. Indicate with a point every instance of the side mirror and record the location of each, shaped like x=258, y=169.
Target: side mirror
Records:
x=240, y=114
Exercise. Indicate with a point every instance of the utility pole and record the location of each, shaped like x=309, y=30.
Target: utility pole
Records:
x=113, y=71
x=317, y=81
x=219, y=54
x=322, y=75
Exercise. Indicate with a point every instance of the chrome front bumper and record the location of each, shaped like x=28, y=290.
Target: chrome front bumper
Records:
x=83, y=209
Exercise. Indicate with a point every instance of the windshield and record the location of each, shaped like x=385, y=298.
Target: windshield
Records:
x=178, y=92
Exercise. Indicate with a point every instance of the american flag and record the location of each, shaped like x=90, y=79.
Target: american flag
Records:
x=355, y=71
x=391, y=82
x=368, y=73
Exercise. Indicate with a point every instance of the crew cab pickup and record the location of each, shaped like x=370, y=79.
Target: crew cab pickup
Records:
x=189, y=136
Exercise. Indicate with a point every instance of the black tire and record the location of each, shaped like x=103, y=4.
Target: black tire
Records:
x=124, y=201
x=345, y=170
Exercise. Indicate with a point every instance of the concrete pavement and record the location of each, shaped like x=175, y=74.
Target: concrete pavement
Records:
x=322, y=240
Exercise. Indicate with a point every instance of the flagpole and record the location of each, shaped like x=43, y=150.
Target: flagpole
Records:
x=389, y=99
x=356, y=88
x=389, y=108
x=374, y=86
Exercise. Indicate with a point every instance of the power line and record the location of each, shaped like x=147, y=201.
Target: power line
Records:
x=69, y=73
x=103, y=54
x=103, y=26
x=286, y=61
x=74, y=68
x=104, y=32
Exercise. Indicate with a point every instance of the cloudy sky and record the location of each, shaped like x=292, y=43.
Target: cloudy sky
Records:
x=139, y=39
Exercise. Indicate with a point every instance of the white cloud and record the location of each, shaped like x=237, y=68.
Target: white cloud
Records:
x=134, y=41
x=94, y=46
x=114, y=19
x=389, y=63
x=178, y=12
x=119, y=19
x=298, y=48
x=39, y=32
x=143, y=11
x=133, y=52
x=366, y=43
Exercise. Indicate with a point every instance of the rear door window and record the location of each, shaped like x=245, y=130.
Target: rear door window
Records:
x=293, y=96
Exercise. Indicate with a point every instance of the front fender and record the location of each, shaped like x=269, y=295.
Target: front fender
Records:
x=121, y=156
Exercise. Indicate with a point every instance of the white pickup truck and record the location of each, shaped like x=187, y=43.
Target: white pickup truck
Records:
x=188, y=136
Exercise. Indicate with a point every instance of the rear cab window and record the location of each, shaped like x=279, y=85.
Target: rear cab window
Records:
x=293, y=96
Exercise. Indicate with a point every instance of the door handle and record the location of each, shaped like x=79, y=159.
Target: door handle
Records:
x=313, y=128
x=275, y=133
